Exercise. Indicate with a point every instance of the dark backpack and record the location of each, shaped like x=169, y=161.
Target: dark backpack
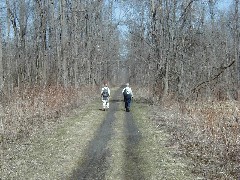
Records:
x=126, y=94
x=105, y=92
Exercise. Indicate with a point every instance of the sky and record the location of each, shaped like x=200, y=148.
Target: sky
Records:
x=224, y=4
x=120, y=11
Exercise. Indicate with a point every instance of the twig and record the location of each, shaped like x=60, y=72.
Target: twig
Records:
x=222, y=69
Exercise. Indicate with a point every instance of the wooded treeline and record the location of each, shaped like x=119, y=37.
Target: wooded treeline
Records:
x=187, y=48
x=54, y=53
x=48, y=42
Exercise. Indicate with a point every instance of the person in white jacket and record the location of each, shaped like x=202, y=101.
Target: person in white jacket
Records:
x=128, y=95
x=105, y=94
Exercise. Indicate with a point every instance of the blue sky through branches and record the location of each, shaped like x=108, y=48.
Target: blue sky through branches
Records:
x=120, y=12
x=224, y=4
x=123, y=13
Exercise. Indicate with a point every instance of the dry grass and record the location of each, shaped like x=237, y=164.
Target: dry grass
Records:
x=117, y=146
x=31, y=113
x=157, y=160
x=208, y=132
x=57, y=153
x=31, y=109
x=142, y=94
x=160, y=161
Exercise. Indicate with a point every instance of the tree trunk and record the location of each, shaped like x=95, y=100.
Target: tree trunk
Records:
x=236, y=45
x=1, y=61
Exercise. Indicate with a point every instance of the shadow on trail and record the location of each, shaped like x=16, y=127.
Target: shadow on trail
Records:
x=132, y=159
x=95, y=165
x=116, y=100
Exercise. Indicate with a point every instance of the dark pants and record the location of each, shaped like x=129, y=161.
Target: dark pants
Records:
x=127, y=101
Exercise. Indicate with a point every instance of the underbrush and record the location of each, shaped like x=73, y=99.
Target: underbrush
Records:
x=208, y=133
x=142, y=95
x=31, y=109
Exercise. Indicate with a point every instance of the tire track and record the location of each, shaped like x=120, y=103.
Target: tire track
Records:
x=95, y=165
x=132, y=159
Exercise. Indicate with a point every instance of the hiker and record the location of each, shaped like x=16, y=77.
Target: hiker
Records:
x=128, y=95
x=105, y=94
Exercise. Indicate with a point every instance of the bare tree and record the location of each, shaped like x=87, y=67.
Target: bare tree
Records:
x=183, y=48
x=1, y=61
x=236, y=41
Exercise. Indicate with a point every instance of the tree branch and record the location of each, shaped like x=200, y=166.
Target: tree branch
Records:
x=222, y=69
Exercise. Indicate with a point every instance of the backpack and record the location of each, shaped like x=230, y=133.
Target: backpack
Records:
x=126, y=93
x=105, y=92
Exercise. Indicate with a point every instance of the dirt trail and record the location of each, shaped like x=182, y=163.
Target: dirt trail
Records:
x=100, y=145
x=95, y=164
x=132, y=159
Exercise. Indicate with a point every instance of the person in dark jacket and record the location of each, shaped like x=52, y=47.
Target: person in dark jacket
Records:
x=128, y=95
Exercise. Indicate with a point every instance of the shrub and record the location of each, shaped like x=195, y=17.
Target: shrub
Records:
x=208, y=133
x=30, y=109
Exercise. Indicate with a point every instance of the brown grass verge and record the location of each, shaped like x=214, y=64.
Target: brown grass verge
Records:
x=208, y=133
x=33, y=108
x=56, y=153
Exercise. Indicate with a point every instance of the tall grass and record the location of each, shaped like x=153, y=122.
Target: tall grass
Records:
x=206, y=132
x=216, y=124
x=30, y=109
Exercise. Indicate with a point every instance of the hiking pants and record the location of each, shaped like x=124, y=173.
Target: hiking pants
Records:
x=105, y=103
x=127, y=103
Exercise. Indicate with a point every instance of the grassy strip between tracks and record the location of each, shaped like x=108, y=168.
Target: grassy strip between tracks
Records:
x=117, y=146
x=158, y=160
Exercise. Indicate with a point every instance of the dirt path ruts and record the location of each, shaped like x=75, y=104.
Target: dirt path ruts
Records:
x=132, y=159
x=95, y=164
x=101, y=145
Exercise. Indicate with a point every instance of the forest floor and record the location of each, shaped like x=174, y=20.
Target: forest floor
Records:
x=96, y=144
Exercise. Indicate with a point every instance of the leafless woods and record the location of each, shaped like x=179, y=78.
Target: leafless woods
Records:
x=187, y=48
